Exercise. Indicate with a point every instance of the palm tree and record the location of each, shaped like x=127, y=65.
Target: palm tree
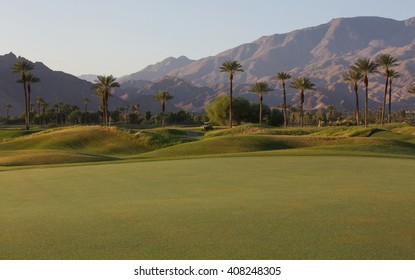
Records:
x=353, y=77
x=282, y=77
x=86, y=100
x=385, y=61
x=365, y=67
x=30, y=79
x=231, y=67
x=103, y=87
x=260, y=88
x=392, y=74
x=41, y=103
x=162, y=96
x=302, y=84
x=23, y=67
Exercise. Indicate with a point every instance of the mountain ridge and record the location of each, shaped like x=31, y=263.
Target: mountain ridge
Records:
x=323, y=53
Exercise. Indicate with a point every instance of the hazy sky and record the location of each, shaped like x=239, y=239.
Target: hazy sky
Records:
x=120, y=37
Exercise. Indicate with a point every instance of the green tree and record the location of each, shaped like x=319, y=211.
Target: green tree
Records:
x=302, y=84
x=103, y=87
x=282, y=77
x=231, y=67
x=162, y=97
x=392, y=74
x=23, y=67
x=353, y=77
x=365, y=67
x=260, y=88
x=385, y=61
x=218, y=110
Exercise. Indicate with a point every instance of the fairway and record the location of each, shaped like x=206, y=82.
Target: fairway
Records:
x=273, y=207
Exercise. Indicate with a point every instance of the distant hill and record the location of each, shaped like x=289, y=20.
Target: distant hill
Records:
x=55, y=86
x=185, y=94
x=88, y=77
x=158, y=70
x=322, y=53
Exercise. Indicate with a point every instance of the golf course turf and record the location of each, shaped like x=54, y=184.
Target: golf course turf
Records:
x=250, y=207
x=251, y=192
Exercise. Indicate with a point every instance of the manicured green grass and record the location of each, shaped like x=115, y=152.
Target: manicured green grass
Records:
x=255, y=143
x=215, y=208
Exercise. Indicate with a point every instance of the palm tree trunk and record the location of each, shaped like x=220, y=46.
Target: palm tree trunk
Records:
x=260, y=109
x=230, y=100
x=384, y=102
x=366, y=101
x=163, y=109
x=285, y=105
x=86, y=110
x=26, y=102
x=104, y=113
x=390, y=101
x=301, y=109
x=357, y=105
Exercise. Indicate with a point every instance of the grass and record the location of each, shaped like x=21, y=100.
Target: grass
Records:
x=251, y=192
x=274, y=207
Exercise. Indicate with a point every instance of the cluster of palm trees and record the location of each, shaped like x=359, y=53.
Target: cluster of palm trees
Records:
x=23, y=67
x=361, y=70
x=358, y=72
x=301, y=84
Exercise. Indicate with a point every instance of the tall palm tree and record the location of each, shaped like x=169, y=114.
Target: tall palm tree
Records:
x=23, y=67
x=103, y=87
x=260, y=88
x=392, y=74
x=385, y=61
x=365, y=67
x=353, y=77
x=86, y=100
x=162, y=96
x=302, y=84
x=282, y=77
x=231, y=67
x=30, y=79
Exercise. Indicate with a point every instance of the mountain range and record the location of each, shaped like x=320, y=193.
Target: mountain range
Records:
x=323, y=53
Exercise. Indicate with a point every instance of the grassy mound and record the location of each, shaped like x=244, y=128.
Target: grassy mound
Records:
x=255, y=143
x=84, y=139
x=67, y=145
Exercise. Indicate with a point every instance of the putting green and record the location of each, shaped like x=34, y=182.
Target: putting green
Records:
x=294, y=207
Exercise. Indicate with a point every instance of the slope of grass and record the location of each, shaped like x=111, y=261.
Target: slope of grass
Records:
x=95, y=143
x=11, y=133
x=41, y=157
x=243, y=144
x=88, y=139
x=216, y=208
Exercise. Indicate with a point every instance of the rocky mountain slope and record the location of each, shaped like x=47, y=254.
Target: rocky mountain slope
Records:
x=55, y=86
x=322, y=53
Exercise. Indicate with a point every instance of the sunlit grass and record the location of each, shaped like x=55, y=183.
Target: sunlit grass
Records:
x=273, y=207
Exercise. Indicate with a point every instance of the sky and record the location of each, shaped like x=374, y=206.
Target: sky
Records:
x=121, y=37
